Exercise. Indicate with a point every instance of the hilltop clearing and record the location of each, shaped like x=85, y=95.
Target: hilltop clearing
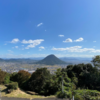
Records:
x=19, y=93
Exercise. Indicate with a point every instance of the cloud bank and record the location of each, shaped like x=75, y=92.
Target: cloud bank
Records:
x=32, y=43
x=77, y=49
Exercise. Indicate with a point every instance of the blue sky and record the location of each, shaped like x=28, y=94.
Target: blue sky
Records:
x=37, y=28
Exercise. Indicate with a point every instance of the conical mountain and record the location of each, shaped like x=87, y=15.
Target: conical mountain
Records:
x=51, y=60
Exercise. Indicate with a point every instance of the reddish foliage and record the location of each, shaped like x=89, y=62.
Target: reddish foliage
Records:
x=23, y=76
x=2, y=76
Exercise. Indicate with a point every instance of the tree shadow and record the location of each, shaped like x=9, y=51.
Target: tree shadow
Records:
x=4, y=90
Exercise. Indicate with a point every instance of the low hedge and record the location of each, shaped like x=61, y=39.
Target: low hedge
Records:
x=13, y=86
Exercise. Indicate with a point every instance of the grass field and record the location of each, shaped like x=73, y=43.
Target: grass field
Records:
x=20, y=94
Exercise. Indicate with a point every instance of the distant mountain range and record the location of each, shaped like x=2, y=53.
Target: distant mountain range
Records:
x=1, y=59
x=76, y=60
x=19, y=60
x=51, y=60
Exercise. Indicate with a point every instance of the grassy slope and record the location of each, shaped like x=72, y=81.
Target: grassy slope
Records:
x=20, y=94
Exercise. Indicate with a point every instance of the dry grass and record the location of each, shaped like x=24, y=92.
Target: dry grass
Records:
x=20, y=94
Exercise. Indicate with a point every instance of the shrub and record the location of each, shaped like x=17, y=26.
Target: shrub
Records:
x=61, y=94
x=69, y=94
x=88, y=94
x=13, y=86
x=78, y=97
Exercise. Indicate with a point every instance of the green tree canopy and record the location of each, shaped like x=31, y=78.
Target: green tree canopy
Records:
x=40, y=81
x=22, y=76
x=96, y=61
x=2, y=76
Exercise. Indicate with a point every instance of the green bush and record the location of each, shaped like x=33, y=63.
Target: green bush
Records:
x=88, y=94
x=94, y=92
x=13, y=85
x=7, y=79
x=78, y=97
x=69, y=94
x=94, y=98
x=61, y=94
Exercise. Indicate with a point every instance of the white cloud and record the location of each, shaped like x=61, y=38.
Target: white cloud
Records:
x=61, y=35
x=94, y=41
x=30, y=46
x=16, y=46
x=79, y=40
x=95, y=51
x=39, y=24
x=41, y=47
x=68, y=40
x=32, y=43
x=67, y=48
x=77, y=49
x=15, y=40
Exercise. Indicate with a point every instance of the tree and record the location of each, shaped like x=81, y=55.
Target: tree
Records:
x=69, y=71
x=40, y=81
x=67, y=86
x=2, y=76
x=13, y=77
x=22, y=76
x=7, y=79
x=84, y=75
x=96, y=61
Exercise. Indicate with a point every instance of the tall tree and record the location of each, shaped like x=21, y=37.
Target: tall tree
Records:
x=22, y=76
x=40, y=81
